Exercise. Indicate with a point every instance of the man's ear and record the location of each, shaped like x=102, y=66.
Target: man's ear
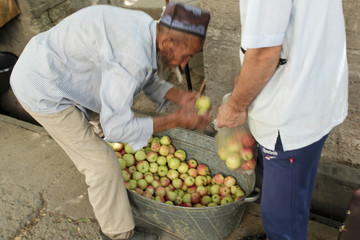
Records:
x=166, y=42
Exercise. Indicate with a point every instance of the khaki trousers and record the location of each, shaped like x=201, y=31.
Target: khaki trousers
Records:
x=94, y=158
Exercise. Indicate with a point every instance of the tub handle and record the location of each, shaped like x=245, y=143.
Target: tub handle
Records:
x=253, y=196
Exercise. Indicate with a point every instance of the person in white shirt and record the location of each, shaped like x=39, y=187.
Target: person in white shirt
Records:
x=292, y=89
x=96, y=61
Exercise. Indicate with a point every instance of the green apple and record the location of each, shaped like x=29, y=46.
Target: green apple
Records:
x=203, y=104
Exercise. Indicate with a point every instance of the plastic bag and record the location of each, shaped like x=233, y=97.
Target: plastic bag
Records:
x=236, y=146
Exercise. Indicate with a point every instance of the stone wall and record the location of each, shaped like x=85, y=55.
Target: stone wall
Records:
x=339, y=171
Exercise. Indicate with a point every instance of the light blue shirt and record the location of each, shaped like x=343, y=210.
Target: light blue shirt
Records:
x=97, y=59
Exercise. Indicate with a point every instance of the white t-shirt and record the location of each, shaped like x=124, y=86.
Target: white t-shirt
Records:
x=307, y=96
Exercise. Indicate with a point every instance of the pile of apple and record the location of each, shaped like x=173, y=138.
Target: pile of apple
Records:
x=236, y=147
x=162, y=173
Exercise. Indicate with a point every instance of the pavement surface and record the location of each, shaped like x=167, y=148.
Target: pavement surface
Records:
x=43, y=196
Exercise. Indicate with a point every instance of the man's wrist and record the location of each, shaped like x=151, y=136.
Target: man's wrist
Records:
x=236, y=106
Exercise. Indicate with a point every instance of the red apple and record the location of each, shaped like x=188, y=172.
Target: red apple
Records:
x=116, y=146
x=159, y=199
x=249, y=165
x=172, y=174
x=150, y=189
x=229, y=181
x=224, y=190
x=132, y=169
x=170, y=196
x=246, y=153
x=137, y=175
x=192, y=163
x=160, y=191
x=177, y=183
x=195, y=198
x=149, y=178
x=171, y=149
x=203, y=169
x=200, y=181
x=192, y=172
x=248, y=140
x=155, y=146
x=156, y=183
x=219, y=178
x=183, y=176
x=152, y=156
x=142, y=184
x=202, y=190
x=178, y=201
x=164, y=181
x=118, y=154
x=126, y=175
x=186, y=204
x=189, y=181
x=147, y=194
x=180, y=154
x=165, y=140
x=138, y=190
x=215, y=189
x=164, y=150
x=191, y=189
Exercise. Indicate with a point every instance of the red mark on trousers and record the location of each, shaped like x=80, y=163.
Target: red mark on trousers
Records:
x=291, y=160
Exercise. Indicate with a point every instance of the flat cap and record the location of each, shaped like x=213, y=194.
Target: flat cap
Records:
x=186, y=18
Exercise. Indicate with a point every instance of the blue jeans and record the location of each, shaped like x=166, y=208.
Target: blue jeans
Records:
x=288, y=180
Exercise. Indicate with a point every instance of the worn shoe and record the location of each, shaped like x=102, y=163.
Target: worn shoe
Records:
x=139, y=234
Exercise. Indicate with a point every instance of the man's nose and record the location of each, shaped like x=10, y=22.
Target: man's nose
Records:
x=184, y=62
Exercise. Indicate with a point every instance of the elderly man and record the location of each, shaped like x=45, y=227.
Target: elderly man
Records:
x=97, y=60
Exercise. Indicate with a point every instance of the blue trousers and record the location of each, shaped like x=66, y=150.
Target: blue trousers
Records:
x=288, y=180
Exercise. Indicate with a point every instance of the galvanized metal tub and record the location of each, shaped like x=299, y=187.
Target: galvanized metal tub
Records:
x=196, y=223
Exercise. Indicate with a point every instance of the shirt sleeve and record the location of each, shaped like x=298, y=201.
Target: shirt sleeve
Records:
x=117, y=119
x=156, y=89
x=264, y=23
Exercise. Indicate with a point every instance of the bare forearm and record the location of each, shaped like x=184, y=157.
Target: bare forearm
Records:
x=174, y=95
x=161, y=123
x=258, y=67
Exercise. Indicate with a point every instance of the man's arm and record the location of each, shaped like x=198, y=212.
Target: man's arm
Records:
x=258, y=67
x=184, y=117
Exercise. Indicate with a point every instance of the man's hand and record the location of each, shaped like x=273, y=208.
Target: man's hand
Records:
x=229, y=117
x=190, y=119
x=188, y=99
